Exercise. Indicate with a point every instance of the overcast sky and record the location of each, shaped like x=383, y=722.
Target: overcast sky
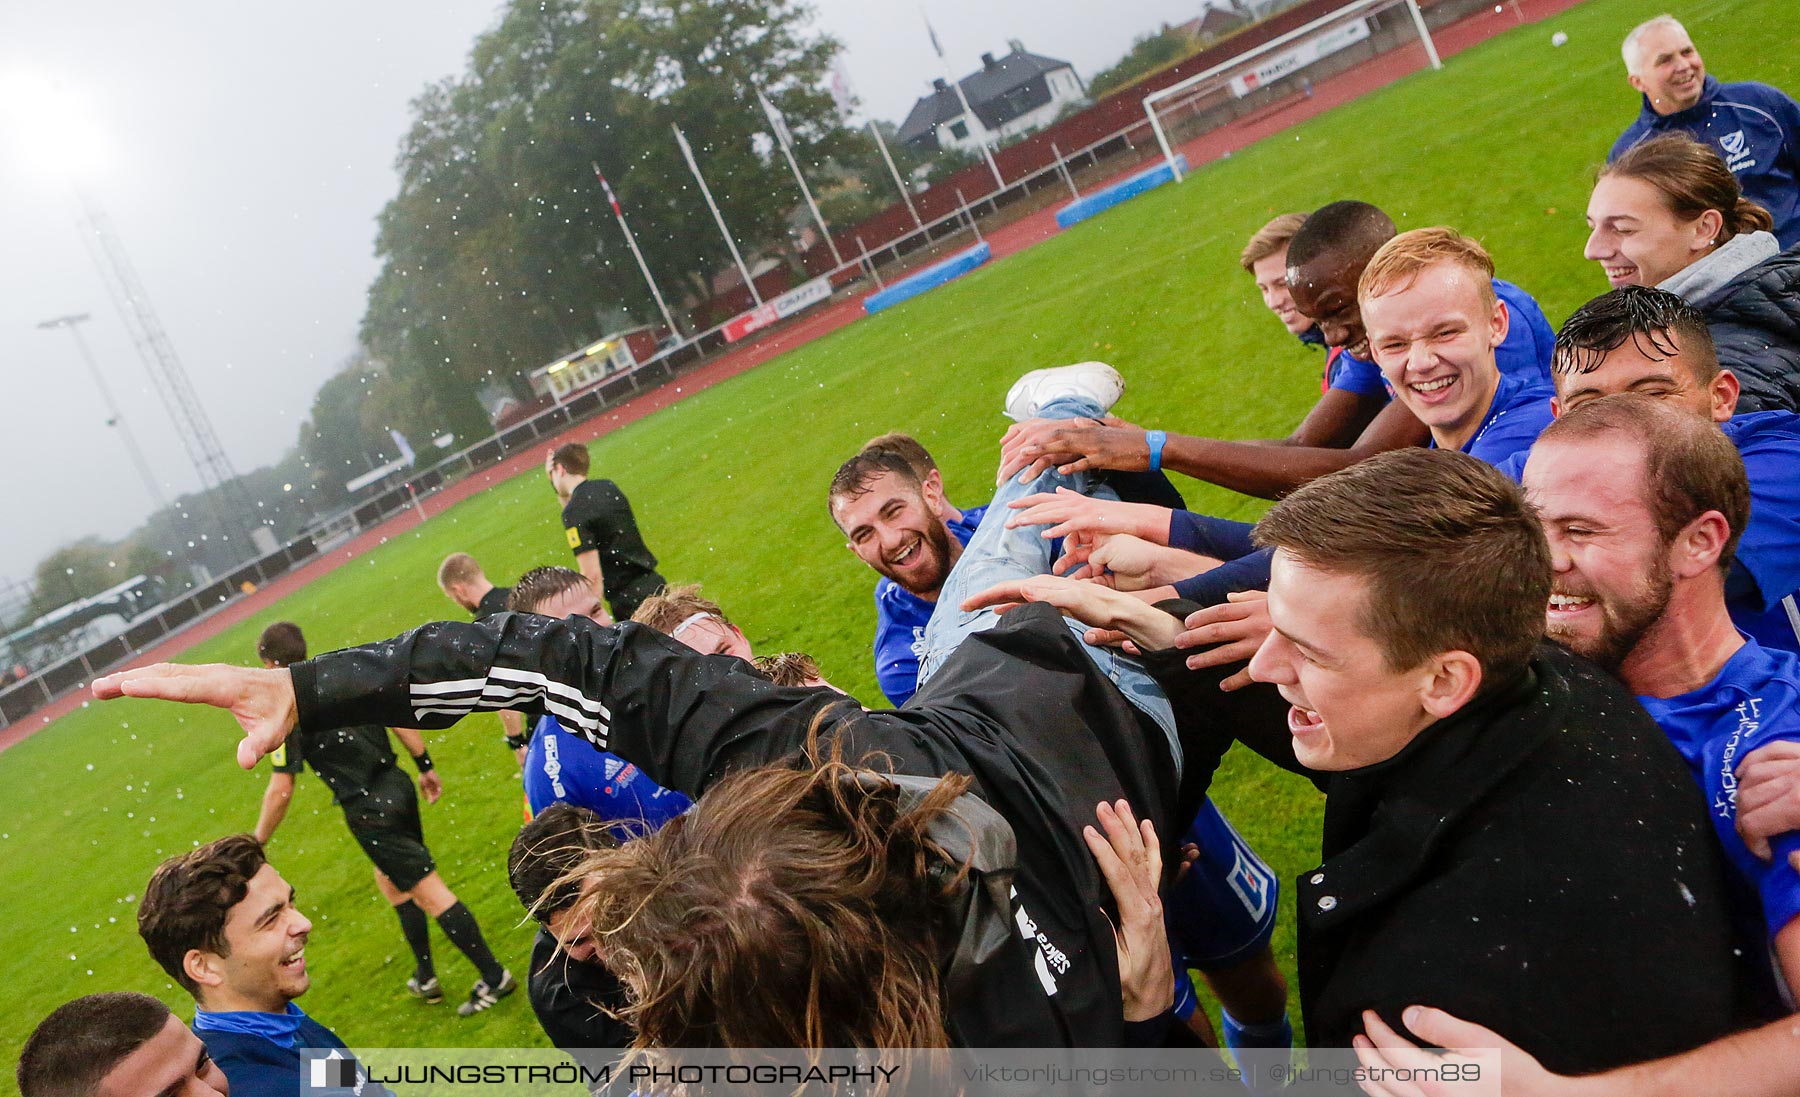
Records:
x=243, y=153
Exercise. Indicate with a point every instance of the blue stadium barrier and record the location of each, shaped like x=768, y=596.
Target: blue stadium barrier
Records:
x=928, y=279
x=1083, y=208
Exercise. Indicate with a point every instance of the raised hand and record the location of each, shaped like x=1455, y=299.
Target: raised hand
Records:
x=1069, y=512
x=262, y=701
x=1237, y=628
x=1131, y=861
x=1132, y=563
x=1030, y=448
x=1089, y=603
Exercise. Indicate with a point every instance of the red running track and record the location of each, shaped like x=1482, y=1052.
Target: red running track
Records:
x=1004, y=240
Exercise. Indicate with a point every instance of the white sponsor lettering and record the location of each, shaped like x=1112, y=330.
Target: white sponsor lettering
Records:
x=1736, y=148
x=1048, y=955
x=1749, y=721
x=1302, y=55
x=553, y=766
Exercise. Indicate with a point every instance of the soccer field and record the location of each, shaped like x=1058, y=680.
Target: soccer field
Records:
x=729, y=488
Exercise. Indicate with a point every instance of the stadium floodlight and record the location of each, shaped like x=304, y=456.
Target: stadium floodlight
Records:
x=114, y=417
x=1282, y=56
x=53, y=131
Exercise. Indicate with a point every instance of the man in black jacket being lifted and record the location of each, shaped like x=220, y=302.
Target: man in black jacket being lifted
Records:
x=1483, y=792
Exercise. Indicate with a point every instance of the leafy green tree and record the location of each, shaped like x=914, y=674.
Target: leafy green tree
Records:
x=1148, y=53
x=73, y=572
x=499, y=253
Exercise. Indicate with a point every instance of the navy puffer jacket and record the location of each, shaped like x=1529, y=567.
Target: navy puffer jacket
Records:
x=1755, y=321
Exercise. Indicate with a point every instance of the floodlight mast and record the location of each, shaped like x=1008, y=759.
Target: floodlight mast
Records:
x=115, y=418
x=169, y=377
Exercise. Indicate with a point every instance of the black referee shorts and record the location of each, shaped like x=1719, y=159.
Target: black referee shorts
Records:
x=385, y=822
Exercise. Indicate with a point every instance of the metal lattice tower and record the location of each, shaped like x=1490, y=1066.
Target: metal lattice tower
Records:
x=168, y=376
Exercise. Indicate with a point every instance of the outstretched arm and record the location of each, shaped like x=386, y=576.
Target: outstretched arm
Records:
x=680, y=716
x=1090, y=603
x=262, y=701
x=1264, y=470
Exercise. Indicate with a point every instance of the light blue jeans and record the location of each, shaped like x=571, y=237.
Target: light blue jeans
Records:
x=996, y=554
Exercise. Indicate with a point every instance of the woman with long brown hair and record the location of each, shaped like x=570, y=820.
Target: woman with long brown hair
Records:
x=1668, y=213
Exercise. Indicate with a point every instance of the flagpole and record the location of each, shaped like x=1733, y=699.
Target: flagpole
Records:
x=643, y=267
x=688, y=152
x=905, y=195
x=779, y=125
x=968, y=111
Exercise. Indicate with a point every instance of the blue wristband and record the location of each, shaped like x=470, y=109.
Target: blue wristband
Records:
x=1157, y=439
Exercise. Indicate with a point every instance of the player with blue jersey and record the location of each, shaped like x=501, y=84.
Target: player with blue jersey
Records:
x=1641, y=504
x=900, y=620
x=1435, y=326
x=1524, y=352
x=1355, y=417
x=1639, y=339
x=561, y=766
x=897, y=522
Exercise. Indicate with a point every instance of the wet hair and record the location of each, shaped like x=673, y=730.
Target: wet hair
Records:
x=791, y=907
x=78, y=1045
x=667, y=609
x=789, y=668
x=1269, y=239
x=573, y=458
x=854, y=476
x=1399, y=519
x=547, y=852
x=539, y=585
x=1406, y=256
x=923, y=464
x=459, y=567
x=188, y=898
x=1692, y=179
x=282, y=643
x=1658, y=323
x=1690, y=467
x=1355, y=230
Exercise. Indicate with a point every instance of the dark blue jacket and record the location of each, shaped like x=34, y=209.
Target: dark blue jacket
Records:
x=1755, y=325
x=1756, y=128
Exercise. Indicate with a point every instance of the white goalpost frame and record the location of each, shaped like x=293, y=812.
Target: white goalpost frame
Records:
x=1348, y=11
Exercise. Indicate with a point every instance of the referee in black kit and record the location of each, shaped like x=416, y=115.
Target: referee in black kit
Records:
x=358, y=765
x=603, y=533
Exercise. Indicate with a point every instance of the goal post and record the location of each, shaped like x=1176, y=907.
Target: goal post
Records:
x=1180, y=110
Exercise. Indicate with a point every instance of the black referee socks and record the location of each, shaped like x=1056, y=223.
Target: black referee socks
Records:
x=458, y=924
x=417, y=929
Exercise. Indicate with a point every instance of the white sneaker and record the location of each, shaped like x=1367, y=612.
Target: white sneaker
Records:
x=1096, y=381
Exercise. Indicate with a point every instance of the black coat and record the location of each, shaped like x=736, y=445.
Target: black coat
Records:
x=1020, y=708
x=1755, y=322
x=570, y=998
x=1541, y=863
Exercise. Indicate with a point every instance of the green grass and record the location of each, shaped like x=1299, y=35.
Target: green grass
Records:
x=729, y=486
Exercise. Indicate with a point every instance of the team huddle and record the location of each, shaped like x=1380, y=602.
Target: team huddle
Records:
x=1524, y=612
